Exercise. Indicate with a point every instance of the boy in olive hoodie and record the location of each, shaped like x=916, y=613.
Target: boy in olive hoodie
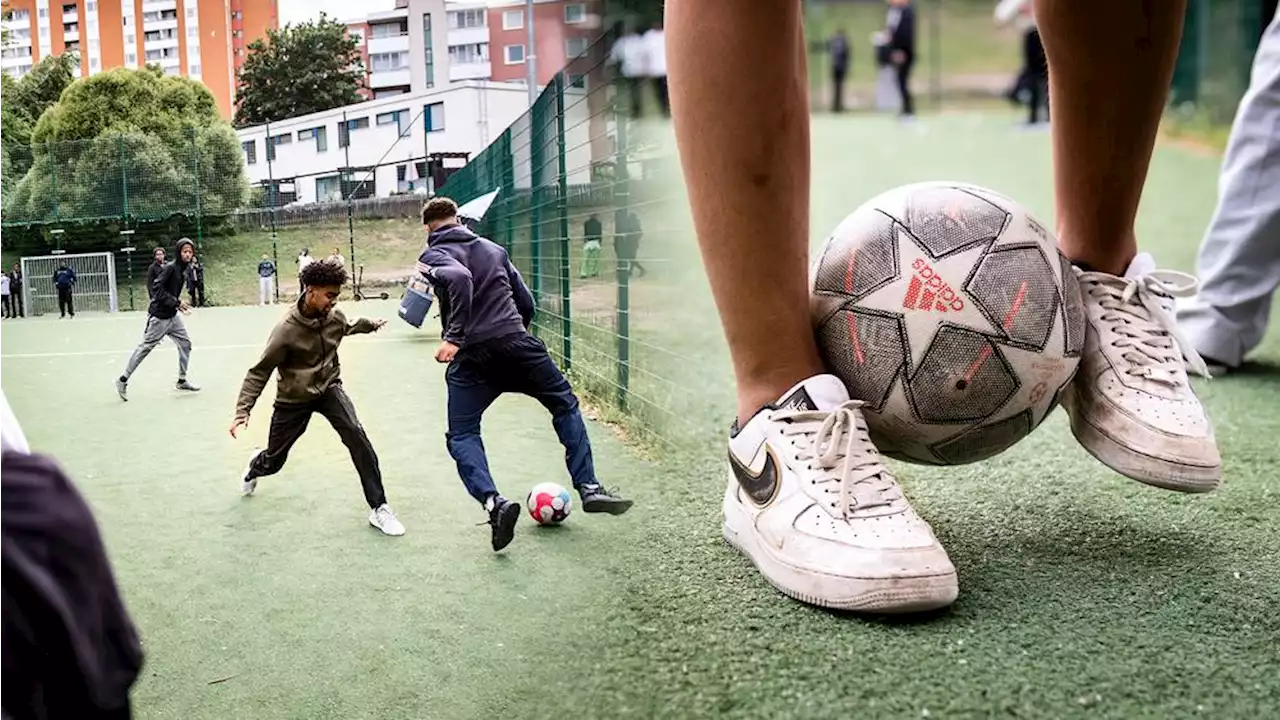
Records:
x=303, y=348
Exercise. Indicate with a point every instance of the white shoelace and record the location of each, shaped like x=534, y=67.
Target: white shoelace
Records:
x=1154, y=347
x=839, y=441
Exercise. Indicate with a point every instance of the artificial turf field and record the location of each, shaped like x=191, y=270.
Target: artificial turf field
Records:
x=1082, y=594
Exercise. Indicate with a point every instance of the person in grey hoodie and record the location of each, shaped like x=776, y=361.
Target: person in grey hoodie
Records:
x=163, y=319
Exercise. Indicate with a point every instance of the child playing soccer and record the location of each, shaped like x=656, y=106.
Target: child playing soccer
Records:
x=303, y=348
x=486, y=311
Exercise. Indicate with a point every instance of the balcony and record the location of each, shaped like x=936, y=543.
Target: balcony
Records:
x=389, y=78
x=392, y=44
x=70, y=36
x=469, y=36
x=469, y=71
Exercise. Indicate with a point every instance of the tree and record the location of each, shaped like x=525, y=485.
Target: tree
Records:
x=25, y=101
x=130, y=142
x=299, y=69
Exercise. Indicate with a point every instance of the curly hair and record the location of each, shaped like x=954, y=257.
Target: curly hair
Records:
x=323, y=273
x=438, y=208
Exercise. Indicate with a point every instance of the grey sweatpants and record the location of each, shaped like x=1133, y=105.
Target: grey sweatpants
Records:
x=1239, y=261
x=157, y=329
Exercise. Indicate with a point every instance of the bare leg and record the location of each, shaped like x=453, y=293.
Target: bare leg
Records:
x=746, y=163
x=1110, y=65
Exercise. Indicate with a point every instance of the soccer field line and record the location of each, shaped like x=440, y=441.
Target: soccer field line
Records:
x=194, y=348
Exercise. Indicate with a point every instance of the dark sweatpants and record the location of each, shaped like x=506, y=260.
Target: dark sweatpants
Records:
x=288, y=422
x=516, y=363
x=70, y=648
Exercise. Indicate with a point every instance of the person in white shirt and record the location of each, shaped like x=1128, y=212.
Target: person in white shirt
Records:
x=655, y=46
x=628, y=55
x=304, y=259
x=4, y=293
x=336, y=257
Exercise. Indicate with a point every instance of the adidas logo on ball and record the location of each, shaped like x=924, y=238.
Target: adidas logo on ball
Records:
x=928, y=291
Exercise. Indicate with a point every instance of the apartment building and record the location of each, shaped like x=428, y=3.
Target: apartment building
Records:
x=204, y=40
x=424, y=44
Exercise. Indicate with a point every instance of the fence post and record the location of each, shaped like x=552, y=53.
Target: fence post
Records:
x=621, y=225
x=346, y=190
x=509, y=183
x=566, y=321
x=271, y=207
x=124, y=179
x=54, y=161
x=195, y=152
x=536, y=163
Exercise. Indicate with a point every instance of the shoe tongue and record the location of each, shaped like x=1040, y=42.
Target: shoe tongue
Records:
x=1142, y=264
x=818, y=393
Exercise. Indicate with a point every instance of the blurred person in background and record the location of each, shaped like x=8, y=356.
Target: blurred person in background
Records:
x=15, y=287
x=153, y=270
x=628, y=56
x=266, y=280
x=1033, y=80
x=655, y=56
x=195, y=282
x=1239, y=258
x=5, y=281
x=592, y=239
x=839, y=50
x=64, y=279
x=900, y=29
x=304, y=259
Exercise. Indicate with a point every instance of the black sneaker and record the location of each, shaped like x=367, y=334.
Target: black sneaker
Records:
x=503, y=518
x=595, y=499
x=187, y=385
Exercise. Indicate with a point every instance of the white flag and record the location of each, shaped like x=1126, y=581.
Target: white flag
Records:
x=11, y=435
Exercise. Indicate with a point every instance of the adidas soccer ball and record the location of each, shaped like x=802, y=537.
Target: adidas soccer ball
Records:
x=949, y=311
x=549, y=503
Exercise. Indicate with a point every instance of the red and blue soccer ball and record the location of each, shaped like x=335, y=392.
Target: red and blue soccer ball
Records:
x=549, y=503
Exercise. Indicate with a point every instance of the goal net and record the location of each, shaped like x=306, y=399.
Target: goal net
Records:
x=94, y=291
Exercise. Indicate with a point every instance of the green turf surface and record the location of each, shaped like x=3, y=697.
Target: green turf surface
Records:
x=1082, y=594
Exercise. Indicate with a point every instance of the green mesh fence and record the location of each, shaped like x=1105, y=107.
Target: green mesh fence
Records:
x=576, y=164
x=1218, y=45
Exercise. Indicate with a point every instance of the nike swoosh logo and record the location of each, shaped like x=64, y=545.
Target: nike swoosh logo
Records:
x=761, y=487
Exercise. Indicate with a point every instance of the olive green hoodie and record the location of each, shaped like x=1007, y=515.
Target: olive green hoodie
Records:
x=305, y=352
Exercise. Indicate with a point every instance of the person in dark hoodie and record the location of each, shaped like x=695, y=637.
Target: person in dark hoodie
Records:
x=154, y=269
x=70, y=647
x=303, y=350
x=64, y=279
x=486, y=310
x=163, y=319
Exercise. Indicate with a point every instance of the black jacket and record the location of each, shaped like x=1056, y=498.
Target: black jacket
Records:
x=166, y=289
x=153, y=271
x=903, y=36
x=481, y=294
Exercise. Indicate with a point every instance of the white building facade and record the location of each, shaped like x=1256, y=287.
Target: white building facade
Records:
x=379, y=147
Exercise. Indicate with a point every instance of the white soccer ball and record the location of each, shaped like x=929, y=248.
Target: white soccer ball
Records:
x=949, y=310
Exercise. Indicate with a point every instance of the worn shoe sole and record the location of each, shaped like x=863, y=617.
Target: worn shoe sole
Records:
x=899, y=595
x=1146, y=469
x=613, y=506
x=505, y=531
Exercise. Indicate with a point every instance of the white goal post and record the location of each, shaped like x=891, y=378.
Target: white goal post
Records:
x=95, y=288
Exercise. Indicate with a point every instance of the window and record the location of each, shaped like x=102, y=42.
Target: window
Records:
x=316, y=133
x=69, y=8
x=385, y=62
x=93, y=43
x=131, y=59
x=386, y=30
x=433, y=117
x=250, y=148
x=90, y=6
x=515, y=54
x=400, y=118
x=94, y=64
x=274, y=141
x=462, y=19
x=194, y=70
x=329, y=189
x=44, y=13
x=575, y=13
x=191, y=11
x=237, y=15
x=192, y=31
x=513, y=20
x=578, y=81
x=344, y=131
x=470, y=53
x=131, y=39
x=575, y=47
x=428, y=57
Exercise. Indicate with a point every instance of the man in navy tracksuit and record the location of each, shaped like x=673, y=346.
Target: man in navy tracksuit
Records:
x=486, y=310
x=64, y=279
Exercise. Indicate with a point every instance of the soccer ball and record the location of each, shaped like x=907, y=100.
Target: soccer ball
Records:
x=949, y=311
x=549, y=503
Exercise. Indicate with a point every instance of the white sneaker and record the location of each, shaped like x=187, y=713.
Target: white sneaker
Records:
x=382, y=518
x=1131, y=404
x=247, y=484
x=810, y=502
